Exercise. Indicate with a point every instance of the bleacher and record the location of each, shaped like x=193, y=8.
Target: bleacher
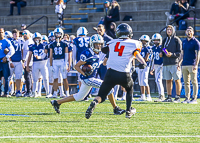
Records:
x=148, y=16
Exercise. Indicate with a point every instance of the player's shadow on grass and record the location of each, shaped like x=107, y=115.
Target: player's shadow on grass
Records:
x=39, y=121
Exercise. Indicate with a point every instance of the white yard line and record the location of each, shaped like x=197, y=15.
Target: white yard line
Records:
x=6, y=137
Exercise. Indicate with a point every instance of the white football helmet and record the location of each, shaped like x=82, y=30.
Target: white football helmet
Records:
x=58, y=31
x=37, y=35
x=44, y=37
x=8, y=34
x=82, y=31
x=51, y=34
x=96, y=38
x=145, y=38
x=157, y=36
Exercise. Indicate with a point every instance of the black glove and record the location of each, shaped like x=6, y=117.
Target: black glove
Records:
x=142, y=66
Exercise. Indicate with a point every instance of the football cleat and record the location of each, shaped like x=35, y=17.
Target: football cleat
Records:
x=118, y=111
x=90, y=110
x=130, y=113
x=55, y=105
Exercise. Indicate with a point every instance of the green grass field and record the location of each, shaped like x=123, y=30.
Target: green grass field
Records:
x=153, y=122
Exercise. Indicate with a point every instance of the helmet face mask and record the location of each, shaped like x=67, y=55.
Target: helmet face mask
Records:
x=96, y=43
x=157, y=39
x=58, y=33
x=37, y=38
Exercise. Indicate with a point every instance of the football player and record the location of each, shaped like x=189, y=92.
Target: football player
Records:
x=88, y=80
x=39, y=63
x=59, y=61
x=8, y=35
x=121, y=54
x=158, y=65
x=82, y=43
x=143, y=74
x=5, y=61
x=17, y=61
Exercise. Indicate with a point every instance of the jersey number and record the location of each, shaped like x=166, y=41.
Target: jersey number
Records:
x=38, y=53
x=58, y=51
x=119, y=50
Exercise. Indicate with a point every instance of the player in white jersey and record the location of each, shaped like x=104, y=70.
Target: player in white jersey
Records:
x=39, y=63
x=121, y=54
x=157, y=66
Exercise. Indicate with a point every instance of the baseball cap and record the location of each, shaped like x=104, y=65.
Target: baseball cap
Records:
x=23, y=25
x=106, y=2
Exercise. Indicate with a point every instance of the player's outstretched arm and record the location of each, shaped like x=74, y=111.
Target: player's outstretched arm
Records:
x=29, y=59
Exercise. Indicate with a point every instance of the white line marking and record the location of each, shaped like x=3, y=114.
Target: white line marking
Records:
x=5, y=137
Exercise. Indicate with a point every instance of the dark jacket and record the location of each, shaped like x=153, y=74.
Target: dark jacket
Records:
x=174, y=9
x=185, y=9
x=174, y=45
x=107, y=11
x=114, y=12
x=111, y=32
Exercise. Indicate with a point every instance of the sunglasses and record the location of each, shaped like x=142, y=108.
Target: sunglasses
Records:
x=24, y=33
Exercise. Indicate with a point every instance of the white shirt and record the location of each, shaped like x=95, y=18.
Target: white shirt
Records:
x=59, y=8
x=121, y=54
x=26, y=51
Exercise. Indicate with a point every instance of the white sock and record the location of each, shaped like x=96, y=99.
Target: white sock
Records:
x=55, y=93
x=35, y=85
x=46, y=86
x=67, y=93
x=61, y=89
x=124, y=95
x=148, y=95
x=39, y=87
x=50, y=89
x=143, y=96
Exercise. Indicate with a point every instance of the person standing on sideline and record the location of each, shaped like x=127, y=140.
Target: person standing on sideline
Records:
x=190, y=61
x=5, y=45
x=171, y=52
x=27, y=74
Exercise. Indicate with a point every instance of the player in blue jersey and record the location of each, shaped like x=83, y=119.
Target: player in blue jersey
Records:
x=89, y=57
x=82, y=43
x=59, y=61
x=157, y=66
x=8, y=35
x=17, y=61
x=143, y=74
x=39, y=63
x=5, y=60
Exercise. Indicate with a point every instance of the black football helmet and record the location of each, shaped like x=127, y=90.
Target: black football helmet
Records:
x=124, y=31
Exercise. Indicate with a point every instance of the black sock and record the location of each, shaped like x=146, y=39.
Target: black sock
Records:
x=129, y=97
x=169, y=96
x=96, y=101
x=177, y=96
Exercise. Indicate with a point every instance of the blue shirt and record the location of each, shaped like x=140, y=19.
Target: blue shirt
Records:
x=47, y=47
x=92, y=59
x=5, y=43
x=82, y=44
x=189, y=48
x=17, y=44
x=157, y=59
x=37, y=51
x=58, y=51
x=70, y=45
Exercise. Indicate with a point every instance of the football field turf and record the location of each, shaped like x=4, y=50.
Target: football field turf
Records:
x=34, y=120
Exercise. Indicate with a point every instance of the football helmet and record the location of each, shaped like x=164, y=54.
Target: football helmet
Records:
x=37, y=35
x=96, y=38
x=44, y=37
x=58, y=33
x=8, y=34
x=157, y=36
x=82, y=31
x=124, y=31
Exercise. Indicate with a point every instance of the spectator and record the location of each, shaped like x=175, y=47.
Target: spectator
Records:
x=184, y=8
x=192, y=2
x=27, y=75
x=111, y=31
x=23, y=27
x=171, y=51
x=19, y=4
x=173, y=12
x=190, y=60
x=60, y=6
x=51, y=2
x=113, y=14
x=66, y=37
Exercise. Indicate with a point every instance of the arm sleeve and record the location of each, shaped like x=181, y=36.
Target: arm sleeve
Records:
x=11, y=50
x=178, y=49
x=105, y=50
x=171, y=10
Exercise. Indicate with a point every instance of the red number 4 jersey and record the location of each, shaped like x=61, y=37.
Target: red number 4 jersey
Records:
x=121, y=53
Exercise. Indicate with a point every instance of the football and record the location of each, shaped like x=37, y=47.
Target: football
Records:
x=6, y=51
x=87, y=68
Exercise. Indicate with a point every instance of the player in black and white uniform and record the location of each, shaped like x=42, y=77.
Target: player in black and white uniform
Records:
x=121, y=54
